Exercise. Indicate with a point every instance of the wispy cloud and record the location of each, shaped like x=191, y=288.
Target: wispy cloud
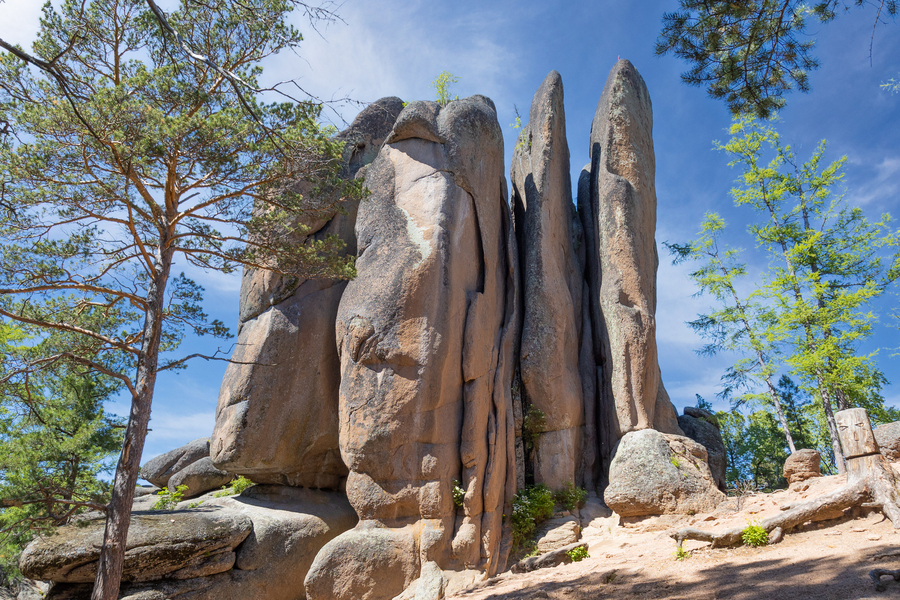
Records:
x=878, y=183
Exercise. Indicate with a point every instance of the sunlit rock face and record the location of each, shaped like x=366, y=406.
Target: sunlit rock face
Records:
x=426, y=337
x=551, y=287
x=618, y=210
x=277, y=416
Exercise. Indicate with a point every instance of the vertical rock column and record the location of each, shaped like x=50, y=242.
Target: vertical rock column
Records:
x=551, y=286
x=277, y=416
x=427, y=335
x=618, y=210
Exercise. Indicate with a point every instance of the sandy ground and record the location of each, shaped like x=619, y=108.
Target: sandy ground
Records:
x=829, y=560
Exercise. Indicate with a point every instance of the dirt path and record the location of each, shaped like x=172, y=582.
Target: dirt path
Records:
x=830, y=560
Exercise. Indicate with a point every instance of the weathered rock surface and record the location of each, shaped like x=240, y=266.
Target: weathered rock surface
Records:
x=158, y=470
x=551, y=330
x=289, y=527
x=654, y=474
x=178, y=545
x=559, y=556
x=703, y=427
x=199, y=477
x=277, y=417
x=888, y=438
x=802, y=465
x=556, y=533
x=427, y=335
x=618, y=212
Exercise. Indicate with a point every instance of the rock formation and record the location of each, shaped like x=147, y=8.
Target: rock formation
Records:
x=654, y=473
x=702, y=426
x=277, y=421
x=618, y=212
x=426, y=336
x=256, y=545
x=408, y=392
x=802, y=465
x=551, y=287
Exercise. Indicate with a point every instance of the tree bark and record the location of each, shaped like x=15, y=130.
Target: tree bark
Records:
x=118, y=518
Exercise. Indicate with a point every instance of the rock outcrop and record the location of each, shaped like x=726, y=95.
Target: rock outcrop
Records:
x=653, y=473
x=256, y=545
x=160, y=469
x=277, y=417
x=618, y=213
x=888, y=438
x=702, y=426
x=551, y=287
x=427, y=334
x=802, y=465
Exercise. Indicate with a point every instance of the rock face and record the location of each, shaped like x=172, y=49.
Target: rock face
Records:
x=551, y=330
x=802, y=465
x=199, y=477
x=159, y=470
x=176, y=545
x=283, y=529
x=618, y=212
x=653, y=473
x=888, y=438
x=702, y=426
x=277, y=419
x=427, y=334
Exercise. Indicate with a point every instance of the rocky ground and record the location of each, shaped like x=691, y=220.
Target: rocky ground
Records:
x=829, y=560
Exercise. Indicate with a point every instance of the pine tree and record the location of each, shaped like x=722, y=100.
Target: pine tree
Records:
x=142, y=140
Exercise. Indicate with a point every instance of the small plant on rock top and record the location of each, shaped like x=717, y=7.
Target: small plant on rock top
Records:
x=754, y=535
x=235, y=487
x=578, y=554
x=681, y=553
x=441, y=84
x=168, y=499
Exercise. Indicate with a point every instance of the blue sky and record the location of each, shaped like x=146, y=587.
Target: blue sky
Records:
x=504, y=49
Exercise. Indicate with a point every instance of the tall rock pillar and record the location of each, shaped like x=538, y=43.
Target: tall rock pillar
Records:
x=618, y=210
x=551, y=287
x=426, y=336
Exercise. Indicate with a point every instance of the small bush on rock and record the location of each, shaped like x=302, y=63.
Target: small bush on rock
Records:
x=531, y=506
x=459, y=494
x=681, y=553
x=570, y=497
x=578, y=554
x=169, y=499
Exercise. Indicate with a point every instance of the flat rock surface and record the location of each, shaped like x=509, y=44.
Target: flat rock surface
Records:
x=159, y=543
x=826, y=561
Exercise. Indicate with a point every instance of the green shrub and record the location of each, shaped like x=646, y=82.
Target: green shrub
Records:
x=459, y=494
x=442, y=84
x=531, y=506
x=754, y=535
x=533, y=424
x=168, y=499
x=570, y=497
x=681, y=553
x=578, y=554
x=235, y=487
x=674, y=460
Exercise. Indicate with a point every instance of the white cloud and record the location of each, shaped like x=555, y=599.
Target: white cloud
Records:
x=20, y=21
x=877, y=184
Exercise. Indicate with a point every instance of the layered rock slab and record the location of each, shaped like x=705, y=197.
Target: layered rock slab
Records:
x=426, y=336
x=551, y=287
x=285, y=529
x=277, y=415
x=618, y=212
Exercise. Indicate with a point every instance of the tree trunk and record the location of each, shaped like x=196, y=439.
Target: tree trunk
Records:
x=118, y=517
